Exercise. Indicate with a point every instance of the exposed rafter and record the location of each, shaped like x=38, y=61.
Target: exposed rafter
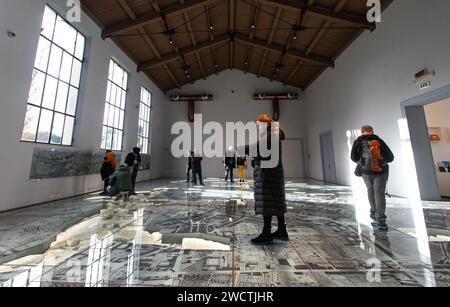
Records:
x=148, y=41
x=314, y=59
x=316, y=40
x=269, y=41
x=146, y=19
x=174, y=56
x=321, y=12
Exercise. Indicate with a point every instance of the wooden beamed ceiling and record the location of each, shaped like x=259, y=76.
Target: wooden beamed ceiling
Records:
x=177, y=42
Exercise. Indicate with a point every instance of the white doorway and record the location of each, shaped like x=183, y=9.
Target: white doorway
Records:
x=328, y=160
x=293, y=158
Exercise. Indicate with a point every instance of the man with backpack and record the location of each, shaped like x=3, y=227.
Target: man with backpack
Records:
x=372, y=155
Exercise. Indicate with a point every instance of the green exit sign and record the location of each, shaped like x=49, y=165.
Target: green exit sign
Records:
x=425, y=85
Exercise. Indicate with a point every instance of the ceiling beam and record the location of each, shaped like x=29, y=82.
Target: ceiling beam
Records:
x=316, y=40
x=231, y=27
x=269, y=41
x=174, y=56
x=147, y=39
x=146, y=19
x=315, y=10
x=314, y=59
x=194, y=41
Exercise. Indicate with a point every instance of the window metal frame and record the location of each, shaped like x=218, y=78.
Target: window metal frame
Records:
x=47, y=74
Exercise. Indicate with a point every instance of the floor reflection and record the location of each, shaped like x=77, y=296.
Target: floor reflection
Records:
x=173, y=234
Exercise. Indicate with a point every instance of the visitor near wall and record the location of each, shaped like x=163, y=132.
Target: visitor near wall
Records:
x=270, y=198
x=108, y=168
x=372, y=156
x=133, y=160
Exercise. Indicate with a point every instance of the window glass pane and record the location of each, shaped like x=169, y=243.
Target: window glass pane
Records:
x=79, y=50
x=124, y=98
x=48, y=23
x=65, y=35
x=57, y=129
x=72, y=101
x=61, y=98
x=116, y=119
x=42, y=54
x=54, y=64
x=103, y=145
x=76, y=73
x=125, y=80
x=51, y=98
x=109, y=136
x=37, y=87
x=50, y=92
x=68, y=130
x=45, y=124
x=111, y=70
x=106, y=114
x=118, y=75
x=66, y=67
x=108, y=92
x=31, y=124
x=121, y=118
x=113, y=94
x=111, y=116
x=118, y=98
x=119, y=142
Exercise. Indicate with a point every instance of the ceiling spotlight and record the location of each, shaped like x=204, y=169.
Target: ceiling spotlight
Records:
x=188, y=76
x=252, y=26
x=216, y=65
x=295, y=37
x=211, y=27
x=205, y=97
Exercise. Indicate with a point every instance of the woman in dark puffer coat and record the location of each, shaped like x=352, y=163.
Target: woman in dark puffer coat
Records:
x=270, y=198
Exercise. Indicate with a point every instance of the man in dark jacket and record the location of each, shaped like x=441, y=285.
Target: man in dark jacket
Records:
x=133, y=160
x=197, y=169
x=120, y=181
x=373, y=155
x=270, y=198
x=189, y=165
x=230, y=165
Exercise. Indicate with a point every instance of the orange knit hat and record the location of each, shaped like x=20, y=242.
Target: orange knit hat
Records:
x=264, y=119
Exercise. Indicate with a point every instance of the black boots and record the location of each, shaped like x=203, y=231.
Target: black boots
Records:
x=265, y=237
x=281, y=234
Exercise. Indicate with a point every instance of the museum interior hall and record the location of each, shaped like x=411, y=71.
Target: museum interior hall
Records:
x=224, y=143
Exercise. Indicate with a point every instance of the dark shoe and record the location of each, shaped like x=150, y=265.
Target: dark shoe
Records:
x=281, y=234
x=380, y=227
x=103, y=194
x=264, y=239
x=372, y=216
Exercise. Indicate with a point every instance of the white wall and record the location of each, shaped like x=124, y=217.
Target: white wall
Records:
x=228, y=107
x=373, y=77
x=16, y=64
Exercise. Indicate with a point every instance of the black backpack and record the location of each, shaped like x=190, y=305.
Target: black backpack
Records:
x=371, y=157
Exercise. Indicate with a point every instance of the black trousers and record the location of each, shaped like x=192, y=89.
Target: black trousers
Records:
x=134, y=177
x=106, y=184
x=229, y=171
x=188, y=173
x=194, y=177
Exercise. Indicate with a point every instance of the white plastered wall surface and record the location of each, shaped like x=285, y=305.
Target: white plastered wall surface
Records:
x=371, y=80
x=17, y=56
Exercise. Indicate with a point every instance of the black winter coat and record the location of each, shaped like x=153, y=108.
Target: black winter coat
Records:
x=270, y=197
x=197, y=164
